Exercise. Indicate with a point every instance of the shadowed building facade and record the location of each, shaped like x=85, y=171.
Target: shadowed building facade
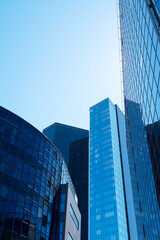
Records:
x=30, y=175
x=66, y=216
x=62, y=135
x=73, y=144
x=78, y=168
x=140, y=45
x=153, y=138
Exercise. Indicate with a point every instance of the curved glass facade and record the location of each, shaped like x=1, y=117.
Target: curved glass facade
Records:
x=30, y=175
x=140, y=43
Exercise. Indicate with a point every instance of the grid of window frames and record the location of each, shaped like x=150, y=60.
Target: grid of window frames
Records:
x=59, y=213
x=140, y=43
x=107, y=213
x=30, y=174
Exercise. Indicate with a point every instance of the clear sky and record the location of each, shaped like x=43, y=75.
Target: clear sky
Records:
x=58, y=58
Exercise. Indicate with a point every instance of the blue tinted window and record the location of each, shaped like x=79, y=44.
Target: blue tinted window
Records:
x=74, y=217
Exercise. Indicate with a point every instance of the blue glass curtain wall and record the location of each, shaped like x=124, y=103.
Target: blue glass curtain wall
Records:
x=140, y=43
x=107, y=212
x=30, y=174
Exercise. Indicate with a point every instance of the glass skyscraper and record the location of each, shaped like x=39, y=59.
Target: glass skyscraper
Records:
x=109, y=182
x=31, y=172
x=62, y=135
x=30, y=175
x=73, y=144
x=78, y=169
x=140, y=49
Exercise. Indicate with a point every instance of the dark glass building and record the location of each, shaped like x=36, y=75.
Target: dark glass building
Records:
x=30, y=176
x=66, y=216
x=153, y=138
x=140, y=45
x=62, y=135
x=78, y=169
x=73, y=144
x=111, y=211
x=66, y=210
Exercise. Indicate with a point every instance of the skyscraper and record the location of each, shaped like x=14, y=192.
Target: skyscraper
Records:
x=30, y=177
x=78, y=168
x=140, y=49
x=73, y=144
x=111, y=214
x=62, y=135
x=153, y=138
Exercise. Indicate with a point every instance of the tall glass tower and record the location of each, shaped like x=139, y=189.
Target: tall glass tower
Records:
x=109, y=216
x=140, y=45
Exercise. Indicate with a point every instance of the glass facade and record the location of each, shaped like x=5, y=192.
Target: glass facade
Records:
x=153, y=138
x=157, y=3
x=73, y=144
x=107, y=208
x=66, y=216
x=59, y=209
x=140, y=45
x=30, y=175
x=78, y=168
x=67, y=179
x=62, y=135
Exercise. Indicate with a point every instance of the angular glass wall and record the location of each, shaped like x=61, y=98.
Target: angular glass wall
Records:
x=140, y=44
x=63, y=135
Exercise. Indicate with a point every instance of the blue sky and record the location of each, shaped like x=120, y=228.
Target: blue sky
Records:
x=58, y=58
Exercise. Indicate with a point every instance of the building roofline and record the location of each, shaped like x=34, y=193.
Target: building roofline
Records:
x=66, y=126
x=37, y=130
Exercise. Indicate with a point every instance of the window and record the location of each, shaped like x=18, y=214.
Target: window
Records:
x=46, y=200
x=140, y=206
x=144, y=231
x=98, y=217
x=44, y=221
x=74, y=217
x=109, y=214
x=98, y=232
x=135, y=167
x=69, y=237
x=137, y=187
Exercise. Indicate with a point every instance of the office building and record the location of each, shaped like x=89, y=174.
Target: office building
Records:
x=30, y=176
x=111, y=212
x=142, y=169
x=153, y=138
x=66, y=216
x=73, y=144
x=140, y=49
x=62, y=135
x=78, y=169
